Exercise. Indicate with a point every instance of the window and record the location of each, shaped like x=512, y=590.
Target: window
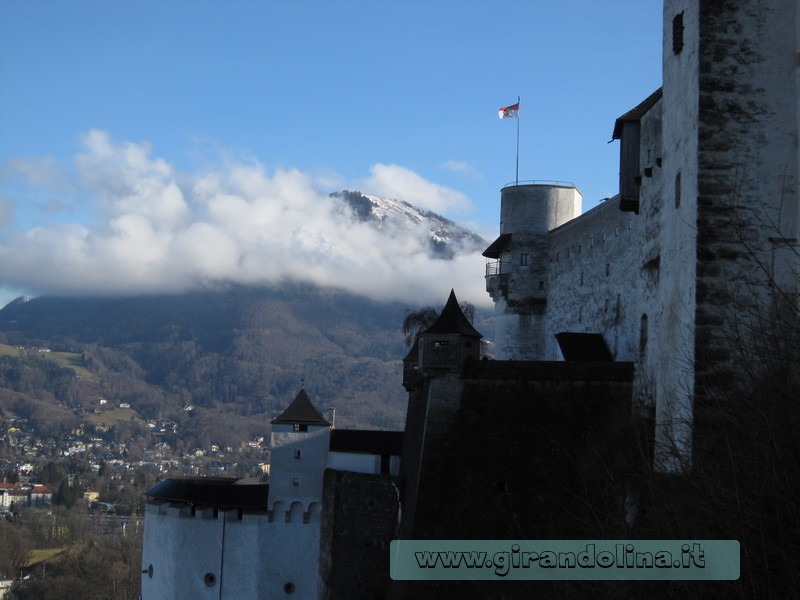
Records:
x=296, y=481
x=643, y=336
x=297, y=453
x=678, y=189
x=524, y=260
x=677, y=33
x=300, y=427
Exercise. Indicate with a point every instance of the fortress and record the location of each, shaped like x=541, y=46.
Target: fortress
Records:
x=621, y=336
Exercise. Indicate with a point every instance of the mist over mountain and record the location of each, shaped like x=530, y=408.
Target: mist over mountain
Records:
x=226, y=288
x=122, y=222
x=446, y=238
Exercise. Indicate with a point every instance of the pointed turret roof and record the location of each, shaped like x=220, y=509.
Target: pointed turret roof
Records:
x=452, y=320
x=301, y=411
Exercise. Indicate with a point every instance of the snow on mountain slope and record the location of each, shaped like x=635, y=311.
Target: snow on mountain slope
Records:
x=446, y=237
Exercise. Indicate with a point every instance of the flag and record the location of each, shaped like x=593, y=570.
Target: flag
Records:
x=510, y=112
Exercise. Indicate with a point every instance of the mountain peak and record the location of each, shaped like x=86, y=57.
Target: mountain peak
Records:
x=446, y=238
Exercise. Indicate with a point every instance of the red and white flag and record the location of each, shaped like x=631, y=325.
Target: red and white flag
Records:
x=510, y=112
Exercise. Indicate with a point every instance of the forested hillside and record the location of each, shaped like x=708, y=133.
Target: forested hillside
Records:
x=239, y=351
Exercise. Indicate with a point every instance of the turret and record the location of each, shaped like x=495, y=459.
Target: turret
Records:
x=300, y=441
x=517, y=269
x=449, y=342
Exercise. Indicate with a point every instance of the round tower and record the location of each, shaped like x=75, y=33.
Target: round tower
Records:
x=518, y=265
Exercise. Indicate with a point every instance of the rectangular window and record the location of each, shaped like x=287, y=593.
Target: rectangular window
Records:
x=300, y=427
x=296, y=482
x=297, y=453
x=524, y=260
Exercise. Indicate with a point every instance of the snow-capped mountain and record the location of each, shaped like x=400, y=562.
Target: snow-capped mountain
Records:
x=446, y=237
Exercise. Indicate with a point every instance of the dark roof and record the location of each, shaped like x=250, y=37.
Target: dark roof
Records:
x=523, y=370
x=498, y=246
x=452, y=320
x=583, y=347
x=362, y=441
x=221, y=492
x=301, y=411
x=636, y=113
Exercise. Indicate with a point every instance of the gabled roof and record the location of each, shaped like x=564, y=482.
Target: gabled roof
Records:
x=452, y=320
x=637, y=112
x=498, y=246
x=301, y=411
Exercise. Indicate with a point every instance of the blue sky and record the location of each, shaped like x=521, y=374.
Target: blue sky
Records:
x=137, y=137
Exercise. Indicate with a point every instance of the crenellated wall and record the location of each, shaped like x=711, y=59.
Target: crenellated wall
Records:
x=202, y=553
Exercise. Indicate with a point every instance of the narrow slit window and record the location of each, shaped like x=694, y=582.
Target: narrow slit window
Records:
x=677, y=33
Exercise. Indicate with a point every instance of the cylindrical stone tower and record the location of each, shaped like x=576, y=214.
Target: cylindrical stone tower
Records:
x=517, y=270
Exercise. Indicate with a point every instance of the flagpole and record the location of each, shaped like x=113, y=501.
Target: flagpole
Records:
x=516, y=179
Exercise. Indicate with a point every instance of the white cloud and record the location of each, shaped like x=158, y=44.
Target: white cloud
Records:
x=128, y=181
x=164, y=231
x=5, y=212
x=44, y=172
x=458, y=166
x=394, y=181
